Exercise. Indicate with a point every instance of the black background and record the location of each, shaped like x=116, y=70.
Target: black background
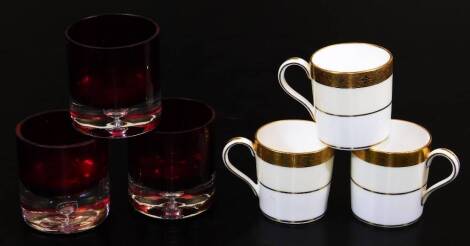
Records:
x=227, y=53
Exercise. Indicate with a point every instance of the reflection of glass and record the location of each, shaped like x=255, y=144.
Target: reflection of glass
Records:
x=114, y=74
x=171, y=174
x=63, y=174
x=144, y=231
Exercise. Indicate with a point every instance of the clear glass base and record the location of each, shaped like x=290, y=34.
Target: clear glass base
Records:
x=172, y=205
x=66, y=214
x=115, y=123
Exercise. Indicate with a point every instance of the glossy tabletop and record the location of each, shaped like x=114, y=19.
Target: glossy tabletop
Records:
x=227, y=53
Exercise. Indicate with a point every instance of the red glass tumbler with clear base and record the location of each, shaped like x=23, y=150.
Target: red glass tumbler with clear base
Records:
x=113, y=62
x=171, y=172
x=63, y=174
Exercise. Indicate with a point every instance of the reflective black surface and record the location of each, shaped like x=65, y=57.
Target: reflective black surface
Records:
x=227, y=54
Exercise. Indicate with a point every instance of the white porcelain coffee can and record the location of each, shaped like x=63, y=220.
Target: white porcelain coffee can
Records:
x=352, y=93
x=389, y=180
x=293, y=169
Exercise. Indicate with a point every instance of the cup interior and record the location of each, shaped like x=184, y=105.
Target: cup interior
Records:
x=290, y=136
x=112, y=30
x=404, y=136
x=351, y=57
x=50, y=129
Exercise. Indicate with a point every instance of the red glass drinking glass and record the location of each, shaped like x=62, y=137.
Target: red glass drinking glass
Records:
x=63, y=174
x=113, y=62
x=171, y=172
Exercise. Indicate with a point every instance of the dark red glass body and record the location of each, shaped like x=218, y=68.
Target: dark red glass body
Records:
x=114, y=61
x=54, y=159
x=114, y=69
x=178, y=154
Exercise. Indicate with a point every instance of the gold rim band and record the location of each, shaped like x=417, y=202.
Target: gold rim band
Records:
x=353, y=79
x=386, y=159
x=293, y=160
x=396, y=159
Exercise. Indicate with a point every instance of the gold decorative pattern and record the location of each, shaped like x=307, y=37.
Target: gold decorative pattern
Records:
x=293, y=160
x=398, y=159
x=353, y=79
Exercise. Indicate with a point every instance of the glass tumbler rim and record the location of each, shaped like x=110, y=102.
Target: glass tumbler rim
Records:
x=200, y=126
x=97, y=47
x=20, y=135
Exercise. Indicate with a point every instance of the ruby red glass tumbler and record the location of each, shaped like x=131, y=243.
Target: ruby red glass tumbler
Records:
x=113, y=62
x=63, y=174
x=171, y=172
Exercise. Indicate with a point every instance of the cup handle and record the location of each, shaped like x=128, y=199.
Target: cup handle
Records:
x=246, y=142
x=291, y=92
x=454, y=161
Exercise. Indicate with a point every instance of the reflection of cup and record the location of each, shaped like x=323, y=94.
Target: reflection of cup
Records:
x=352, y=93
x=360, y=234
x=267, y=232
x=389, y=180
x=63, y=174
x=171, y=174
x=293, y=168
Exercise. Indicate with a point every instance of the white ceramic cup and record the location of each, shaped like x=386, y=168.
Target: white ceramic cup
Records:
x=352, y=93
x=293, y=170
x=389, y=180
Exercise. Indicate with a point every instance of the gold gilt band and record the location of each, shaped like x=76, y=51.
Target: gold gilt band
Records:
x=353, y=79
x=388, y=159
x=293, y=160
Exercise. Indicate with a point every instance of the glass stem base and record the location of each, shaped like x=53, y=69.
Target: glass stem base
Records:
x=66, y=214
x=115, y=123
x=171, y=205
